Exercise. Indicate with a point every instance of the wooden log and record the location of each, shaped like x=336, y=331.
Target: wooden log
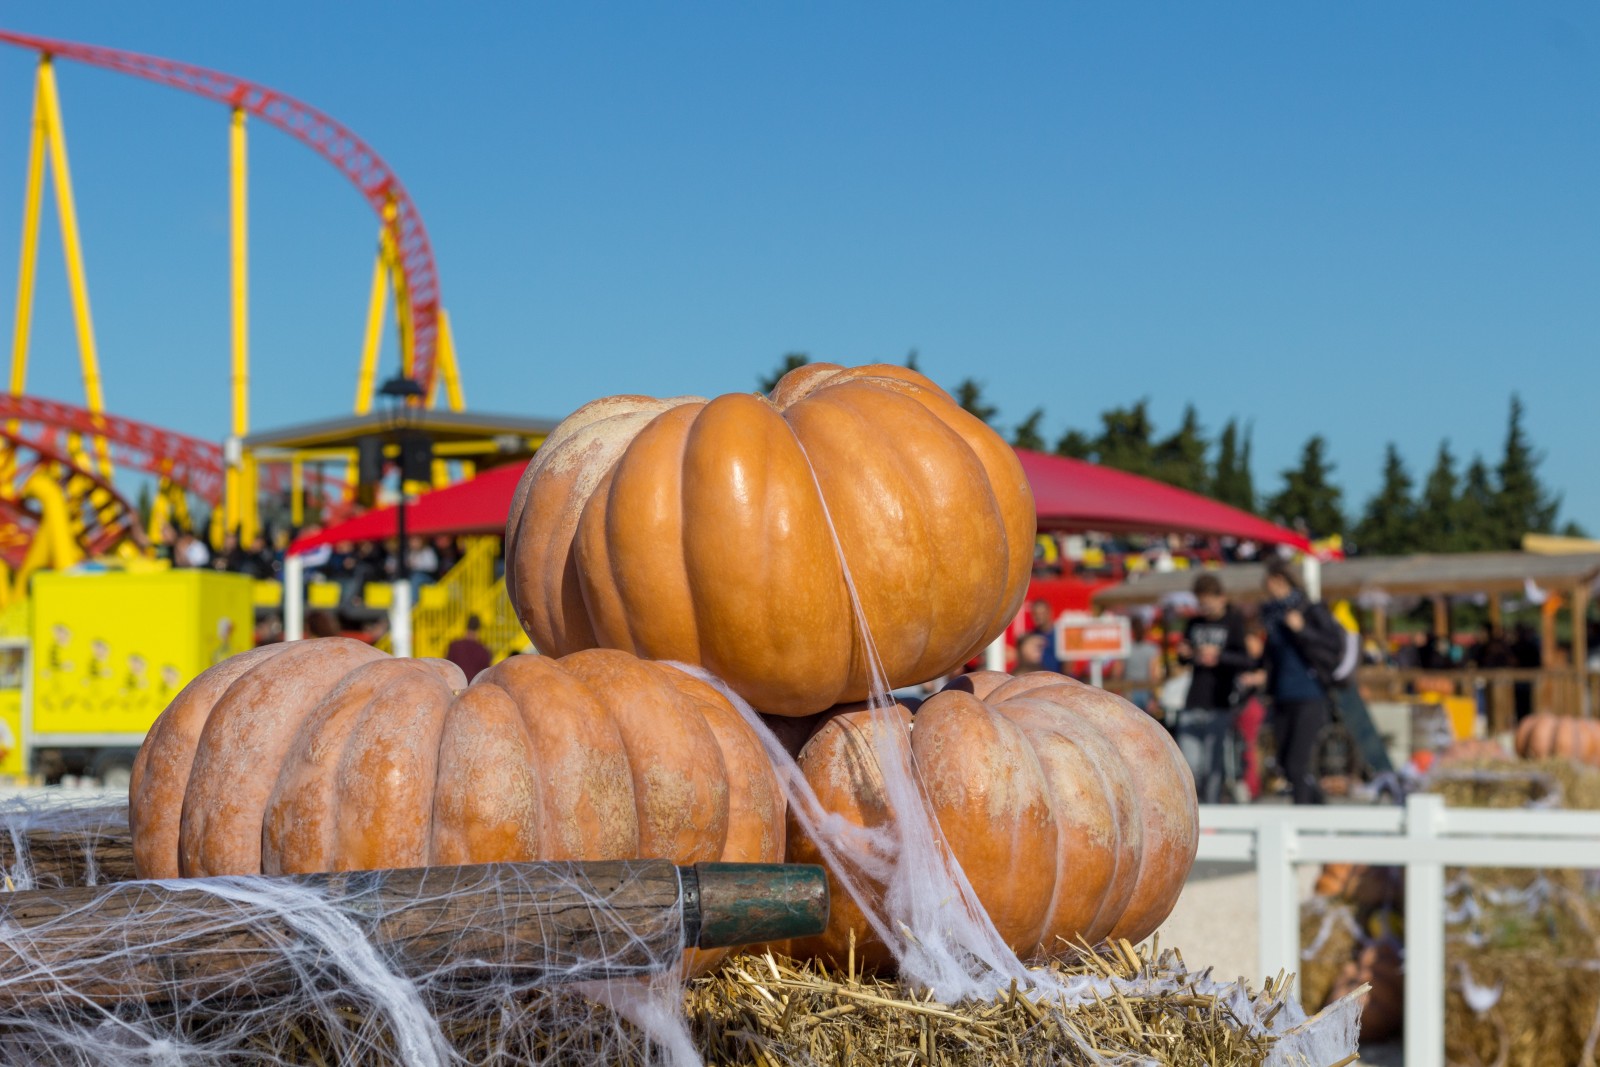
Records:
x=527, y=922
x=46, y=858
x=70, y=846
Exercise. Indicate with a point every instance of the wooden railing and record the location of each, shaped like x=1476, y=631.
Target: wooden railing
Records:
x=1555, y=689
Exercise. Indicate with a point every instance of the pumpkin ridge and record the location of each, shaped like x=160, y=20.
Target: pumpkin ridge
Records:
x=162, y=768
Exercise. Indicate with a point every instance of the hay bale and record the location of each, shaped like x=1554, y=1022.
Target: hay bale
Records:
x=1524, y=979
x=766, y=1010
x=1329, y=937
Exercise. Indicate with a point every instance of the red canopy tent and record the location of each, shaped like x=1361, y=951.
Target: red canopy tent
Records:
x=1069, y=494
x=1073, y=494
x=476, y=506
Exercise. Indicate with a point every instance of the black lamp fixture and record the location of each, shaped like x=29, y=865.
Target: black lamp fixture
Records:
x=398, y=395
x=402, y=398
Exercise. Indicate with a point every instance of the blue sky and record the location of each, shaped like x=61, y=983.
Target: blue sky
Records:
x=1368, y=221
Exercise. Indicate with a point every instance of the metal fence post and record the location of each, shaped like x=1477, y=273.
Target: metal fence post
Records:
x=1279, y=902
x=1424, y=922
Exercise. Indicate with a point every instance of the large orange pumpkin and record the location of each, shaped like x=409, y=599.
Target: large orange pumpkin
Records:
x=1071, y=812
x=1544, y=735
x=699, y=531
x=328, y=755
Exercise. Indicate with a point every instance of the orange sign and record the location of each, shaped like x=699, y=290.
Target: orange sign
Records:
x=1081, y=636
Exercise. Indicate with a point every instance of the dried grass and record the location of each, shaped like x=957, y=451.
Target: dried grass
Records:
x=765, y=1010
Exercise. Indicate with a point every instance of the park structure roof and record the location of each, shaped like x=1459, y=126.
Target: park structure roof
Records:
x=1068, y=494
x=1365, y=577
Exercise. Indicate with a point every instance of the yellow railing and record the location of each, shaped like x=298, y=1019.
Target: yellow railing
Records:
x=471, y=587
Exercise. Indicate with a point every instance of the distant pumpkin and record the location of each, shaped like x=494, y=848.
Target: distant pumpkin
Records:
x=1071, y=812
x=711, y=532
x=1544, y=735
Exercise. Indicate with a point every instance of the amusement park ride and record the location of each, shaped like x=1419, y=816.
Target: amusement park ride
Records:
x=60, y=504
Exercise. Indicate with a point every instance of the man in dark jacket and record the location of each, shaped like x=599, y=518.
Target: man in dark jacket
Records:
x=1302, y=640
x=1213, y=645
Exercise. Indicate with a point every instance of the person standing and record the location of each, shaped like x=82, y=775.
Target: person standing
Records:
x=1142, y=670
x=1213, y=646
x=1044, y=625
x=469, y=652
x=1298, y=631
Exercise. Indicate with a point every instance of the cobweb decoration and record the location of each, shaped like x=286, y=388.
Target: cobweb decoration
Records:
x=263, y=971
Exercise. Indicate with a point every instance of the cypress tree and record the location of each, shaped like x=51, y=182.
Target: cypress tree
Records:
x=1180, y=459
x=1388, y=527
x=1230, y=482
x=1027, y=433
x=1520, y=502
x=1479, y=528
x=1124, y=442
x=1074, y=444
x=1309, y=494
x=969, y=394
x=1439, y=507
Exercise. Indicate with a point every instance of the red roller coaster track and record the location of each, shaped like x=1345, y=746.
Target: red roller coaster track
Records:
x=333, y=141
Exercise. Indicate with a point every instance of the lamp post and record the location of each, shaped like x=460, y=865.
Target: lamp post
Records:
x=402, y=400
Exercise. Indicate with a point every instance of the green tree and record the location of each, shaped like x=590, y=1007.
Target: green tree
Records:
x=1571, y=528
x=790, y=362
x=1074, y=444
x=1027, y=433
x=1388, y=527
x=1438, y=509
x=1125, y=440
x=1180, y=459
x=911, y=361
x=969, y=394
x=1479, y=528
x=1520, y=503
x=1230, y=479
x=1309, y=494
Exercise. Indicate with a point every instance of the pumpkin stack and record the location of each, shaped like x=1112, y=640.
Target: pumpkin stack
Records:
x=860, y=521
x=854, y=531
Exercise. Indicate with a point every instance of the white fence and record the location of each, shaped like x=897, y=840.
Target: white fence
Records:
x=1425, y=837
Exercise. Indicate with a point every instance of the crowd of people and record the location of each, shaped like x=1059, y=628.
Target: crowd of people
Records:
x=1211, y=683
x=349, y=565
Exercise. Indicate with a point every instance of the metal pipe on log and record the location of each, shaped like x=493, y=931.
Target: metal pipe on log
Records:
x=254, y=936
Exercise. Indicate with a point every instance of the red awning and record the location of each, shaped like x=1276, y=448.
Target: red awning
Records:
x=1072, y=494
x=1069, y=494
x=476, y=506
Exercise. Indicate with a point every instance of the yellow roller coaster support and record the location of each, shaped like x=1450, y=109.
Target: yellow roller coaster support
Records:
x=53, y=547
x=240, y=502
x=48, y=141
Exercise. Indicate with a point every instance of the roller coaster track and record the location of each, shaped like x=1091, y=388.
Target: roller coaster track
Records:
x=43, y=425
x=354, y=158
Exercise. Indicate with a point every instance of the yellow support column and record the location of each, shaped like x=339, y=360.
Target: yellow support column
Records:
x=446, y=369
x=23, y=326
x=297, y=484
x=373, y=337
x=242, y=512
x=77, y=280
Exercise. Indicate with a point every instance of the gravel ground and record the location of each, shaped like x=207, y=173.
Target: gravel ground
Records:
x=1214, y=925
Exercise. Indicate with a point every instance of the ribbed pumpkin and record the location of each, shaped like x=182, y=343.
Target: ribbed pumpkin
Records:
x=1544, y=735
x=328, y=755
x=699, y=531
x=1071, y=812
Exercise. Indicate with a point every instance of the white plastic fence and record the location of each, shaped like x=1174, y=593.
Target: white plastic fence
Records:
x=1425, y=837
